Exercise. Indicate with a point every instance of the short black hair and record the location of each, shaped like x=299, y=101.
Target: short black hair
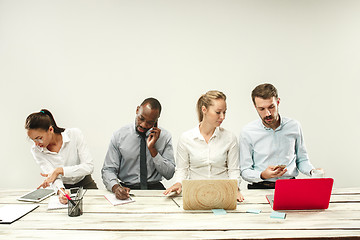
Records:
x=153, y=102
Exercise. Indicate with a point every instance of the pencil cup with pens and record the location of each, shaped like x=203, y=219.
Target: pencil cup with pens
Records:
x=75, y=205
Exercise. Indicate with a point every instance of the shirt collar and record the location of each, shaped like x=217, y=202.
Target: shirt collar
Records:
x=65, y=139
x=278, y=128
x=197, y=134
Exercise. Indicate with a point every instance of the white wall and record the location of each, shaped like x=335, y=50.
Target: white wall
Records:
x=92, y=62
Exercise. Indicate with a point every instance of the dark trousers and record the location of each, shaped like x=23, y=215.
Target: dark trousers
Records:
x=263, y=185
x=151, y=186
x=86, y=183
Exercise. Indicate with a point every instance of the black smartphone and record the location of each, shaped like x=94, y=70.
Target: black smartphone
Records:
x=156, y=124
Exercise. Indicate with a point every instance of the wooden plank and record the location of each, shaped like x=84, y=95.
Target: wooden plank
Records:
x=156, y=216
x=251, y=234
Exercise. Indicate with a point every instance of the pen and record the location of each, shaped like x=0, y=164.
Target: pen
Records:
x=123, y=188
x=67, y=196
x=175, y=202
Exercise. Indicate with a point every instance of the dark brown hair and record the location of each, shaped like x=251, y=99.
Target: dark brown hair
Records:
x=264, y=91
x=42, y=120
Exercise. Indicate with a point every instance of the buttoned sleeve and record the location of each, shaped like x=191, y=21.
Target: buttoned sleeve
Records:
x=247, y=170
x=111, y=166
x=182, y=160
x=233, y=160
x=46, y=167
x=164, y=160
x=302, y=158
x=85, y=164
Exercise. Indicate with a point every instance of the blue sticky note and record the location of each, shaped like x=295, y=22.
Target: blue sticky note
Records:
x=279, y=215
x=255, y=211
x=218, y=211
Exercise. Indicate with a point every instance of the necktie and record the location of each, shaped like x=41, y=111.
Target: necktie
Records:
x=143, y=166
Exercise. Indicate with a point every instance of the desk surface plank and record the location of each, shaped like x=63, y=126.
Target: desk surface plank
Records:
x=154, y=216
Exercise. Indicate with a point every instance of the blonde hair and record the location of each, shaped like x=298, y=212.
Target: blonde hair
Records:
x=205, y=100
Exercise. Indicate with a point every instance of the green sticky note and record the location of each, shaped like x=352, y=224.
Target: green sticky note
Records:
x=279, y=215
x=218, y=211
x=255, y=211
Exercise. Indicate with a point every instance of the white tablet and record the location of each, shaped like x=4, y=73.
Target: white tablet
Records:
x=37, y=195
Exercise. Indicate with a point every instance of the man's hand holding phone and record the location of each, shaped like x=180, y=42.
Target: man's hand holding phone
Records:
x=153, y=137
x=273, y=171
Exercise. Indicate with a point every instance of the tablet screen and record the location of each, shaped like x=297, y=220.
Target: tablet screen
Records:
x=37, y=195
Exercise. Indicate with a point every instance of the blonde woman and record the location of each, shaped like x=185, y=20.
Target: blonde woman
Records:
x=208, y=151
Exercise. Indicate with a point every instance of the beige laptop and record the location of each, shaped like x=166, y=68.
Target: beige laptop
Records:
x=209, y=194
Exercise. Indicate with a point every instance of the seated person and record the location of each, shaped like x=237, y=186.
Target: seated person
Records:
x=140, y=154
x=62, y=154
x=208, y=151
x=271, y=147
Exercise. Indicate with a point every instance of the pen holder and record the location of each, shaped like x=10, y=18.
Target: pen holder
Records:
x=75, y=209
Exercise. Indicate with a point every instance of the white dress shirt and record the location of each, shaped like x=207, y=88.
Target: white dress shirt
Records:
x=217, y=159
x=74, y=157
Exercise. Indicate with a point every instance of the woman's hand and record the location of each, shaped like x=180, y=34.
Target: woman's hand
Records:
x=62, y=197
x=177, y=187
x=51, y=178
x=240, y=197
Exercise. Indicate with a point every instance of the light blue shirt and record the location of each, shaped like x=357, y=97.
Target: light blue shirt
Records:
x=261, y=147
x=122, y=160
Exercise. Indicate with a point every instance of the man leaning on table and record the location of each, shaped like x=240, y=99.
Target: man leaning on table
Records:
x=139, y=154
x=272, y=147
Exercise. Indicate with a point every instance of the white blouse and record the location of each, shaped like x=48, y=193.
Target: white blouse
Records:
x=74, y=157
x=217, y=159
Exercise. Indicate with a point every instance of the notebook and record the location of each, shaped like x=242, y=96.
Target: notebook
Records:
x=209, y=194
x=114, y=201
x=12, y=212
x=301, y=194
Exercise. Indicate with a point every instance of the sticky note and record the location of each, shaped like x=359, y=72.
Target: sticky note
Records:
x=279, y=215
x=218, y=211
x=255, y=211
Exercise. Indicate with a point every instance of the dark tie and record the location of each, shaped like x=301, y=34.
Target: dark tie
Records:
x=143, y=166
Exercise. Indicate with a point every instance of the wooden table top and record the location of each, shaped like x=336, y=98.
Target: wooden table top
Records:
x=155, y=216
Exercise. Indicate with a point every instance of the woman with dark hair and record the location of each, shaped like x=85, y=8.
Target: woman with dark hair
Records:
x=62, y=154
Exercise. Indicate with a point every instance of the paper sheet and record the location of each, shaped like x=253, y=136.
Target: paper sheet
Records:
x=114, y=201
x=12, y=212
x=54, y=203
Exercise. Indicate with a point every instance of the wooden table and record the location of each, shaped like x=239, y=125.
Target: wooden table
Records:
x=155, y=216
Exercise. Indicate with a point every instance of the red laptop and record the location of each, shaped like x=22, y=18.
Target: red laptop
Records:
x=301, y=194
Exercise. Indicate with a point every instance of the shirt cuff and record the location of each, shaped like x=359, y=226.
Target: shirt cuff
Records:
x=67, y=171
x=57, y=185
x=112, y=184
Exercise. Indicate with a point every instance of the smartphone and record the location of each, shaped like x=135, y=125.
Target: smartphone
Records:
x=280, y=166
x=156, y=124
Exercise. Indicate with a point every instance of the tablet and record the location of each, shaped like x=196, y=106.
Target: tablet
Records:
x=37, y=195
